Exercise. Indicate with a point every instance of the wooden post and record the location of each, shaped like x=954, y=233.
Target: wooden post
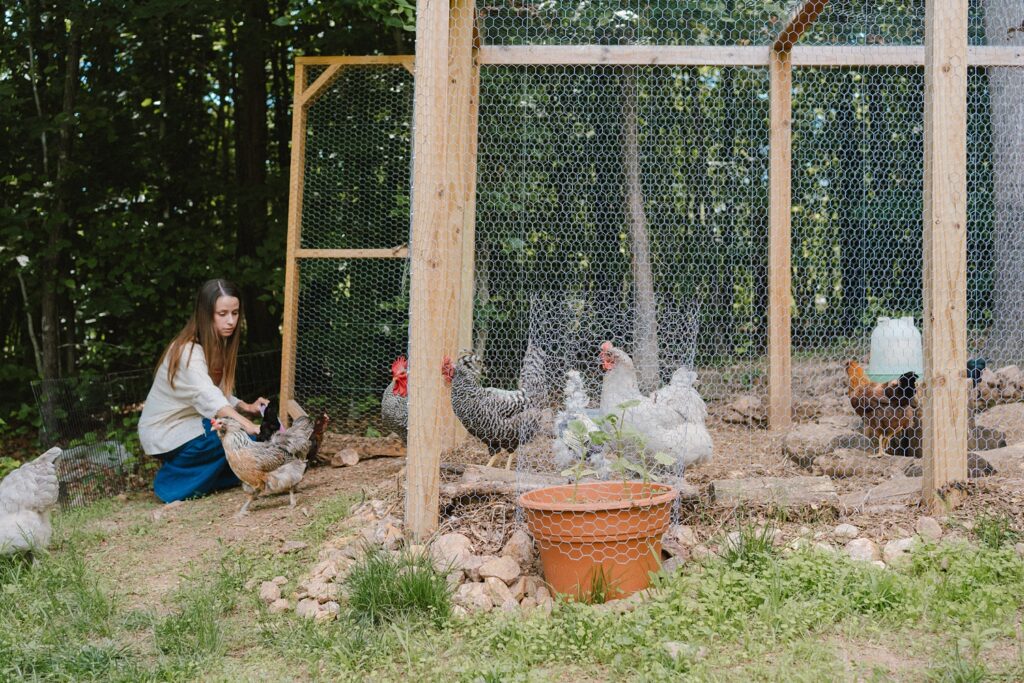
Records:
x=442, y=94
x=465, y=103
x=291, y=274
x=944, y=395
x=780, y=390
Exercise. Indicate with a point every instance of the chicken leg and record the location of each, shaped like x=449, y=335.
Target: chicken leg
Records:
x=245, y=506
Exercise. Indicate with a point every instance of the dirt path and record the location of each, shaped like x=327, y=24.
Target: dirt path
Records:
x=145, y=548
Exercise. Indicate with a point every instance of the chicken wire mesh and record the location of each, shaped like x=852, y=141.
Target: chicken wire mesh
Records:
x=353, y=311
x=94, y=419
x=630, y=204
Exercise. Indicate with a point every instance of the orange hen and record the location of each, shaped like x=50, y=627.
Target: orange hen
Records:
x=886, y=408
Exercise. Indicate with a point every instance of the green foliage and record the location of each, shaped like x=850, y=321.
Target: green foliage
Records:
x=8, y=465
x=995, y=530
x=623, y=445
x=383, y=588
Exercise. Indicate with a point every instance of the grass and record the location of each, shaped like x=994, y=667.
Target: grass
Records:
x=384, y=588
x=995, y=531
x=949, y=614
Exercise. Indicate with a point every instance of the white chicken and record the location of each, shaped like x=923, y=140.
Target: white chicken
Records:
x=27, y=495
x=671, y=420
x=568, y=444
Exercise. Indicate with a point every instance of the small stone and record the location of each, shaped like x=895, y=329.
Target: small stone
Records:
x=332, y=608
x=532, y=584
x=497, y=590
x=325, y=570
x=520, y=548
x=677, y=649
x=292, y=547
x=825, y=547
x=542, y=594
x=164, y=510
x=518, y=589
x=683, y=535
x=846, y=532
x=732, y=541
x=545, y=606
x=673, y=564
x=451, y=550
x=455, y=578
x=307, y=608
x=820, y=535
x=879, y=564
x=701, y=552
x=251, y=584
x=269, y=592
x=279, y=606
x=1019, y=549
x=321, y=591
x=928, y=528
x=863, y=550
x=474, y=597
x=473, y=563
x=896, y=551
x=458, y=611
x=509, y=606
x=280, y=580
x=528, y=604
x=392, y=536
x=504, y=568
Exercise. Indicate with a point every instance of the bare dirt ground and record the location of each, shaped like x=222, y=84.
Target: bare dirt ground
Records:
x=148, y=547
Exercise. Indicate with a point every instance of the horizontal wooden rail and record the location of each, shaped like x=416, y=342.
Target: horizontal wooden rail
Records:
x=397, y=252
x=355, y=60
x=705, y=55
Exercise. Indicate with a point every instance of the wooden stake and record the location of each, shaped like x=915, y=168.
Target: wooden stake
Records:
x=465, y=98
x=945, y=386
x=779, y=244
x=443, y=70
x=291, y=276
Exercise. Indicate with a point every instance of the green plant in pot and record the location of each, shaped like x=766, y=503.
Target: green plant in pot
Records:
x=608, y=531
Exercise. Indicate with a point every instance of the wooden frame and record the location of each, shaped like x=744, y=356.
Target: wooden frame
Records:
x=303, y=98
x=780, y=276
x=704, y=55
x=443, y=214
x=944, y=274
x=445, y=146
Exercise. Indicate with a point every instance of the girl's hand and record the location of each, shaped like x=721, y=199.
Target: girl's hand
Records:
x=259, y=404
x=250, y=428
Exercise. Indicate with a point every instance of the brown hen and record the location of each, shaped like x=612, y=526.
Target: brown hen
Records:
x=886, y=408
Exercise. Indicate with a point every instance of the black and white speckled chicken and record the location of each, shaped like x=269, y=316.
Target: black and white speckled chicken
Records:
x=394, y=404
x=501, y=418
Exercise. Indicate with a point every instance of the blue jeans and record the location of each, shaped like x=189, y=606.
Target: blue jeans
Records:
x=194, y=469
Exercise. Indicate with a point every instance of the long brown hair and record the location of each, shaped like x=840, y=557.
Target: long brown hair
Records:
x=221, y=354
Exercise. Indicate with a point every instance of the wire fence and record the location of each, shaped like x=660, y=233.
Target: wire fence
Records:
x=632, y=204
x=95, y=420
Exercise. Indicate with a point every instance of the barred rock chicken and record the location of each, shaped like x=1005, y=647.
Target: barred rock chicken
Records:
x=886, y=408
x=273, y=466
x=568, y=444
x=501, y=418
x=671, y=420
x=27, y=495
x=394, y=404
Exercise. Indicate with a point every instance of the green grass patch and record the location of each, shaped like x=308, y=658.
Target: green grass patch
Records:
x=384, y=588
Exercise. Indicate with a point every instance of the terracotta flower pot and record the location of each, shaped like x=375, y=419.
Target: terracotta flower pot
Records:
x=600, y=537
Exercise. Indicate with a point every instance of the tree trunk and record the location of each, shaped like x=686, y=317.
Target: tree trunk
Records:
x=1005, y=343
x=251, y=160
x=645, y=323
x=55, y=225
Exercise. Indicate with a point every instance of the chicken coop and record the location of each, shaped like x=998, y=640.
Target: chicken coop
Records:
x=758, y=192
